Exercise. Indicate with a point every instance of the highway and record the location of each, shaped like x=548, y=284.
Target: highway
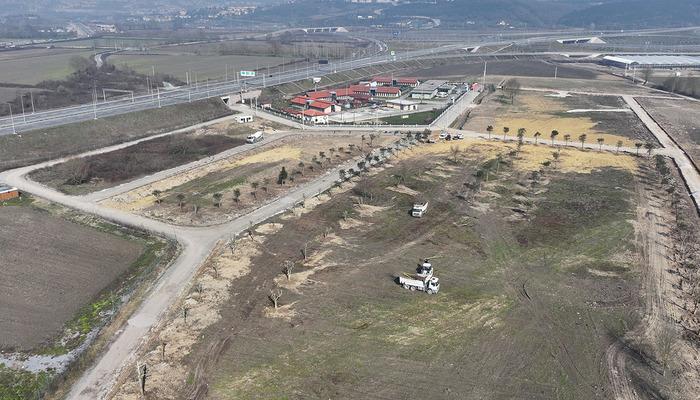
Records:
x=18, y=123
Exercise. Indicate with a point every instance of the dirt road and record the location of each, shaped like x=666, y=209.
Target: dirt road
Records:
x=196, y=244
x=685, y=165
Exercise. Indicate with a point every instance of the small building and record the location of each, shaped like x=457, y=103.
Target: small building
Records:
x=314, y=117
x=8, y=193
x=403, y=105
x=244, y=119
x=427, y=90
x=394, y=81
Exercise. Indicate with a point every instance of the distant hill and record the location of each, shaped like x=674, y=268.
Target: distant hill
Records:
x=636, y=14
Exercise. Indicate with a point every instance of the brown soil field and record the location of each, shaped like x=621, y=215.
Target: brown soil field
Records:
x=475, y=69
x=46, y=144
x=51, y=269
x=679, y=118
x=300, y=157
x=100, y=171
x=540, y=112
x=539, y=268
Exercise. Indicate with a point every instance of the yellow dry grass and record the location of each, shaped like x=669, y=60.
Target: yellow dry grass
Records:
x=537, y=113
x=532, y=156
x=142, y=197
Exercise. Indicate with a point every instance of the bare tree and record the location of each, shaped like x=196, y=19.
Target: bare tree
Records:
x=185, y=312
x=275, y=296
x=180, y=200
x=142, y=374
x=511, y=86
x=600, y=141
x=162, y=350
x=288, y=268
x=618, y=145
x=217, y=199
x=304, y=250
x=157, y=193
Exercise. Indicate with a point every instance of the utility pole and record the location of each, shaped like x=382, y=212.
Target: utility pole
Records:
x=21, y=101
x=556, y=70
x=12, y=119
x=31, y=96
x=483, y=81
x=158, y=89
x=94, y=102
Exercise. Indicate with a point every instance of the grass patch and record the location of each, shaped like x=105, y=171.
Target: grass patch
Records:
x=45, y=144
x=22, y=385
x=419, y=118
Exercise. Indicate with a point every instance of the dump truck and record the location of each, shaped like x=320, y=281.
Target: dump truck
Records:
x=429, y=285
x=255, y=137
x=419, y=209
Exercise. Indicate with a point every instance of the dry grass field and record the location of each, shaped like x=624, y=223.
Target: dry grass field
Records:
x=539, y=265
x=573, y=115
x=679, y=118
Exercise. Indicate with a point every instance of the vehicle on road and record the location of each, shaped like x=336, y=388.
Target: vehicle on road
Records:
x=255, y=137
x=444, y=135
x=429, y=285
x=458, y=136
x=419, y=209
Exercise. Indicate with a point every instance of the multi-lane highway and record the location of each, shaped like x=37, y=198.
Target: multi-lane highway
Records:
x=44, y=119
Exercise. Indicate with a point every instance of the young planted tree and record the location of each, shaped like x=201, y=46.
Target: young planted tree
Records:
x=649, y=147
x=638, y=146
x=301, y=167
x=282, y=177
x=489, y=130
x=600, y=141
x=582, y=138
x=157, y=193
x=537, y=137
x=521, y=135
x=217, y=199
x=236, y=195
x=254, y=185
x=372, y=137
x=567, y=137
x=454, y=151
x=553, y=135
x=288, y=268
x=505, y=132
x=275, y=296
x=342, y=175
x=618, y=145
x=180, y=200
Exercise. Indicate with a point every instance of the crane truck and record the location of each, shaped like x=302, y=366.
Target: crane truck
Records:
x=419, y=209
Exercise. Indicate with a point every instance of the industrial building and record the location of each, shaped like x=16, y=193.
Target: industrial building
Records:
x=403, y=105
x=430, y=88
x=8, y=193
x=638, y=62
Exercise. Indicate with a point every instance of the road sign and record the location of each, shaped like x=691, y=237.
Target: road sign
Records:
x=393, y=53
x=247, y=73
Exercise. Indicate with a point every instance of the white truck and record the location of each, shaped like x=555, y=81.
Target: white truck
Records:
x=419, y=209
x=429, y=285
x=255, y=137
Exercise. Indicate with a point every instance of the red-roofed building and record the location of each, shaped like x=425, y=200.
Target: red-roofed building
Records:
x=378, y=91
x=319, y=95
x=315, y=117
x=395, y=81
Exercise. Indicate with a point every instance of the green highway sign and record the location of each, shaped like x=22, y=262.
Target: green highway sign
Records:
x=247, y=73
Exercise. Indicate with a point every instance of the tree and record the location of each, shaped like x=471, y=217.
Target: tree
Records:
x=537, y=137
x=489, y=130
x=454, y=151
x=372, y=137
x=521, y=134
x=567, y=137
x=505, y=132
x=288, y=268
x=600, y=141
x=180, y=200
x=512, y=86
x=649, y=147
x=156, y=193
x=236, y=195
x=217, y=199
x=255, y=185
x=646, y=73
x=142, y=374
x=282, y=177
x=556, y=156
x=362, y=139
x=638, y=146
x=582, y=138
x=275, y=296
x=553, y=135
x=618, y=145
x=301, y=167
x=342, y=174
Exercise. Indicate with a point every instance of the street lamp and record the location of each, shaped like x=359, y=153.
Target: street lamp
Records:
x=12, y=119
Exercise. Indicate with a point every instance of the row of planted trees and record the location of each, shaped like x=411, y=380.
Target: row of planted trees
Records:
x=582, y=138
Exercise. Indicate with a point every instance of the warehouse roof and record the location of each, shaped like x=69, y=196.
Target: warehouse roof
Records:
x=658, y=60
x=6, y=189
x=429, y=86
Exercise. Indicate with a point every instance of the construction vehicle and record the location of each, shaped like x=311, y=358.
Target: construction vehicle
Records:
x=419, y=209
x=425, y=270
x=255, y=137
x=429, y=285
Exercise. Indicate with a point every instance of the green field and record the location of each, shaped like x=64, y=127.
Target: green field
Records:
x=29, y=67
x=205, y=66
x=419, y=118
